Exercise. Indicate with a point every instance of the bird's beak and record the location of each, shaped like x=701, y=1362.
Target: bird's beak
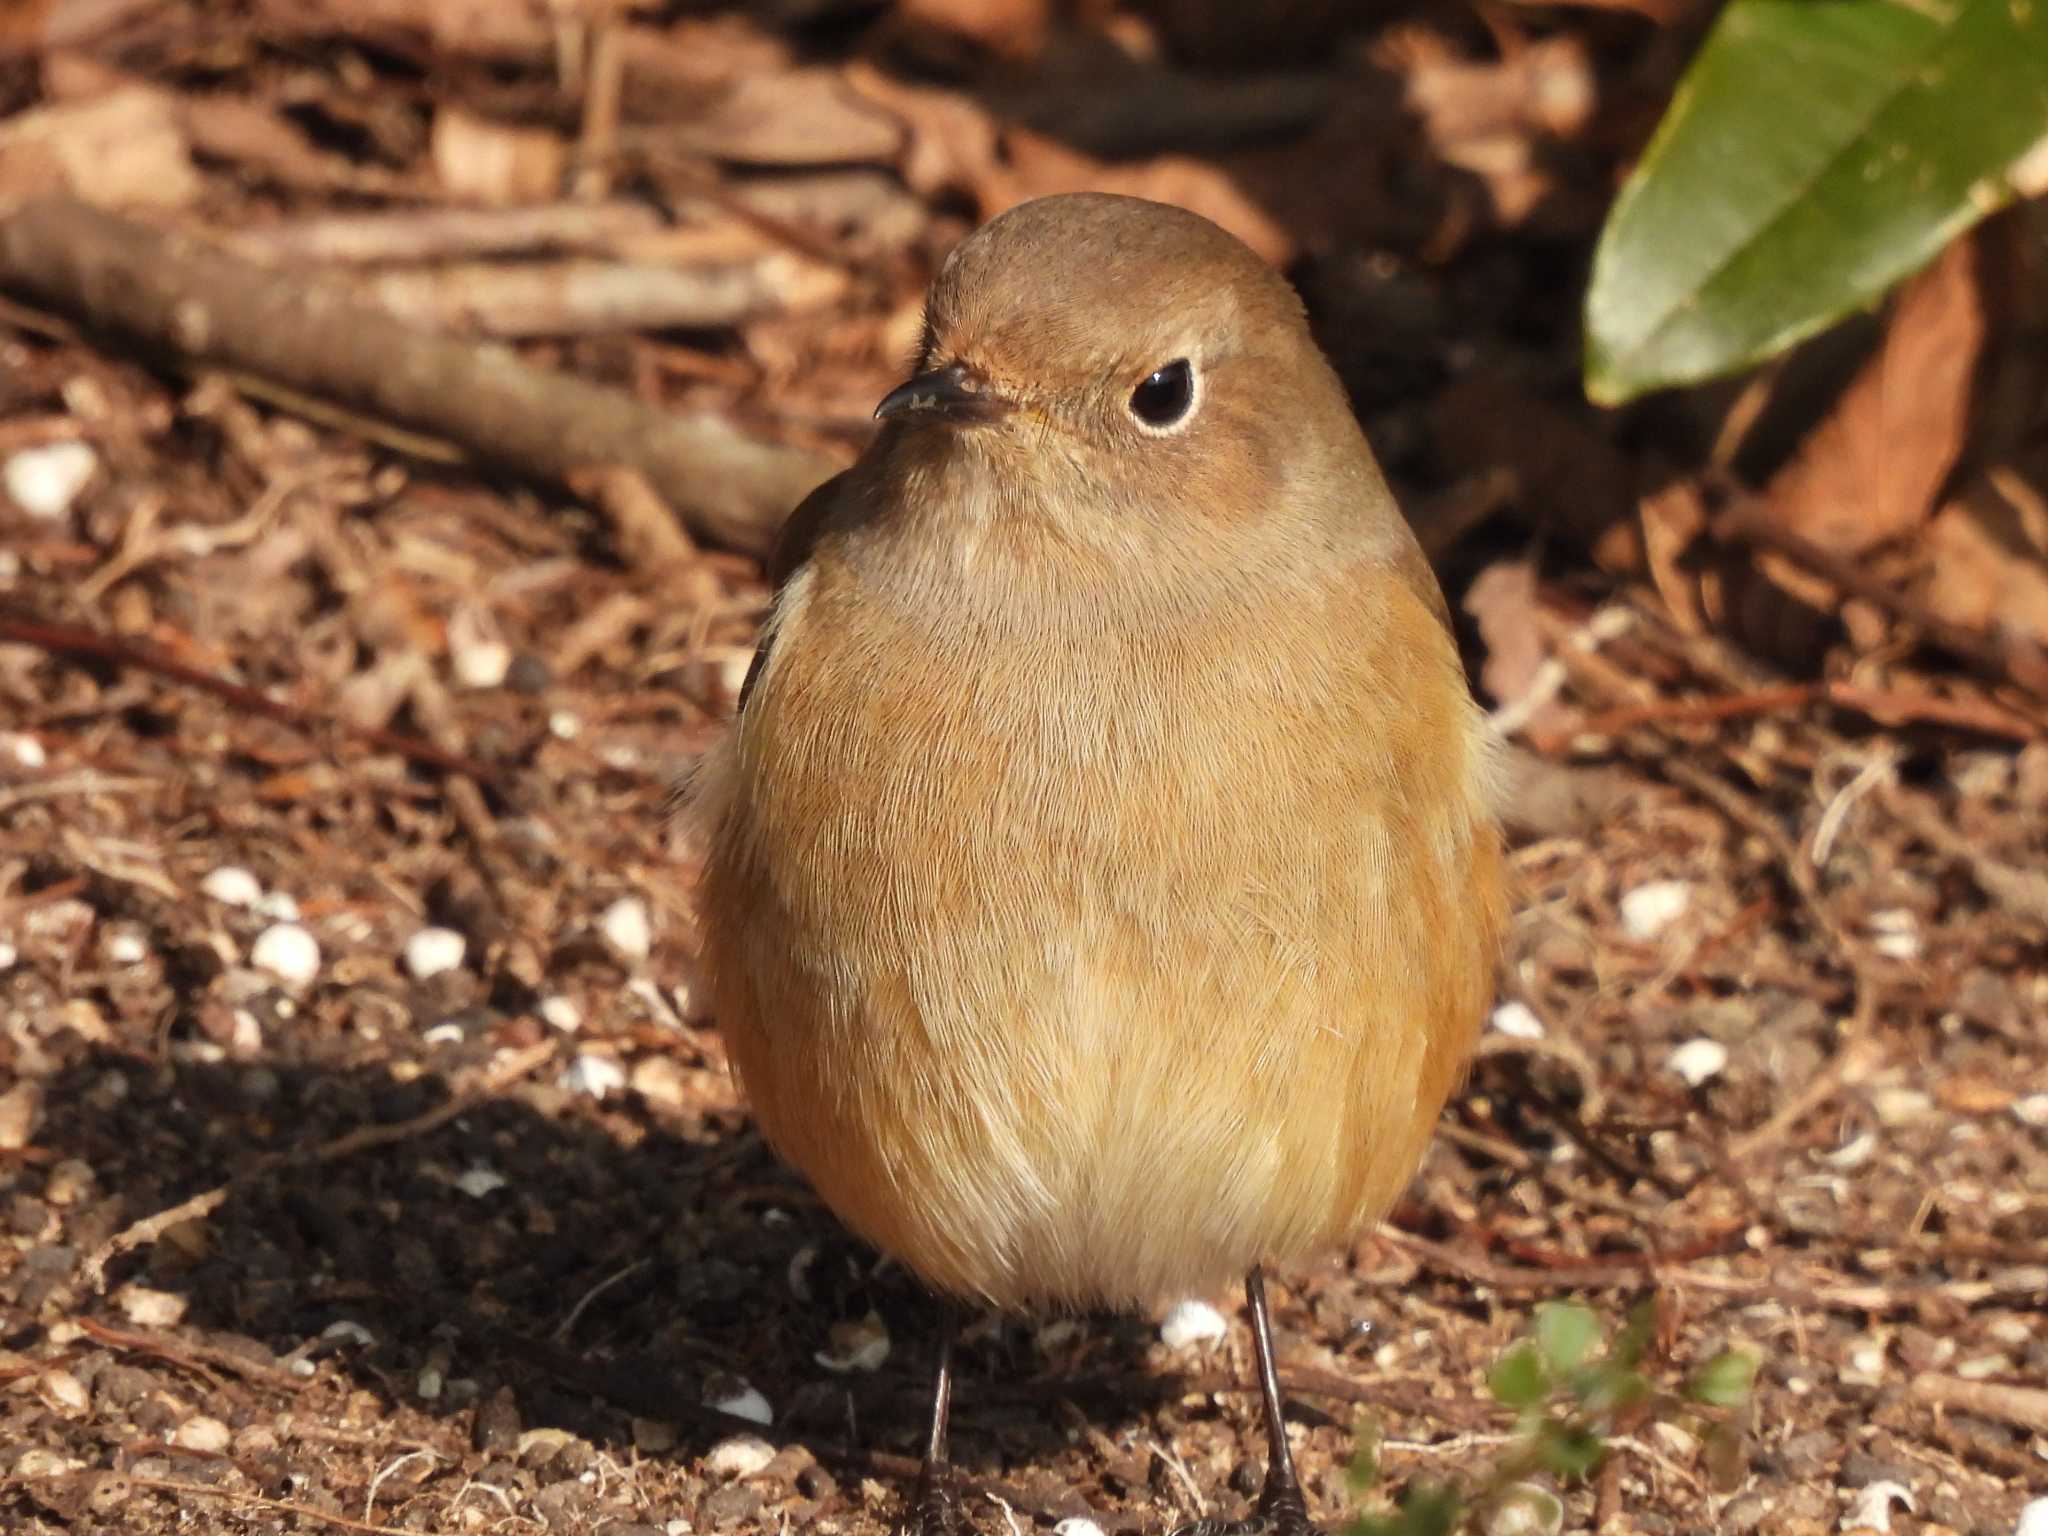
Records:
x=955, y=392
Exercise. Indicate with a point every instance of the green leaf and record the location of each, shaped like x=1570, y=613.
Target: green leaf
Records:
x=1518, y=1378
x=1426, y=1509
x=1725, y=1380
x=1612, y=1389
x=1634, y=1339
x=1816, y=152
x=1569, y=1450
x=1565, y=1332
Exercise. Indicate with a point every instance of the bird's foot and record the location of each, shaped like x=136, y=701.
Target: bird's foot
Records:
x=1281, y=1511
x=935, y=1508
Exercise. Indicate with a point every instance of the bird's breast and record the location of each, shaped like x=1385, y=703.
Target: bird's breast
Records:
x=1077, y=964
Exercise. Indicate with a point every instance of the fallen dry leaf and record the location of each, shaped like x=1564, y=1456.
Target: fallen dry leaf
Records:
x=1042, y=166
x=953, y=144
x=1986, y=559
x=119, y=150
x=809, y=116
x=1503, y=603
x=1014, y=27
x=1870, y=472
x=496, y=162
x=1673, y=518
x=1974, y=1095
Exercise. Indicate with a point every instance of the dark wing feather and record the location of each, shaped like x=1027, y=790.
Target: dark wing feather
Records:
x=792, y=548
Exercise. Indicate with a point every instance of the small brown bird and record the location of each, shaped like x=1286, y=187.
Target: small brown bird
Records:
x=1102, y=881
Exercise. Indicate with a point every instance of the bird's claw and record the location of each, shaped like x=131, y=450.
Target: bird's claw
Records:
x=1281, y=1511
x=935, y=1509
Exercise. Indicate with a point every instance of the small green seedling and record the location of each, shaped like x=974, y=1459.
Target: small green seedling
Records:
x=1571, y=1391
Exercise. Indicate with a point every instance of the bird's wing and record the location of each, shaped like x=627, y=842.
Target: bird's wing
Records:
x=792, y=548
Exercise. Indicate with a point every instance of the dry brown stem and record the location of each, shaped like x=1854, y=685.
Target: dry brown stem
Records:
x=2026, y=1407
x=202, y=304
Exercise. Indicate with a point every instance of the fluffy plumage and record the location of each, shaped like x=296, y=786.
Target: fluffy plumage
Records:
x=1102, y=887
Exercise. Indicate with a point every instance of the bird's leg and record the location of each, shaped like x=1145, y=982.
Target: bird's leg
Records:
x=1281, y=1509
x=935, y=1507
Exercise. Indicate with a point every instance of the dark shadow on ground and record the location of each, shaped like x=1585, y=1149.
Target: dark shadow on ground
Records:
x=618, y=1270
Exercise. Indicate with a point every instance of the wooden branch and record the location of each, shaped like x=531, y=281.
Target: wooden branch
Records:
x=203, y=305
x=570, y=298
x=438, y=234
x=2026, y=1407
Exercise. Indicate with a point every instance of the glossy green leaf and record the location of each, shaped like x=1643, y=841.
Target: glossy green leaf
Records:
x=1816, y=152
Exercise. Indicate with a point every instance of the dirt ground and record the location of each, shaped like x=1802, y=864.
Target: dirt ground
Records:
x=367, y=1162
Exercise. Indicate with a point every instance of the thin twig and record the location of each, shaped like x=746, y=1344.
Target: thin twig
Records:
x=71, y=640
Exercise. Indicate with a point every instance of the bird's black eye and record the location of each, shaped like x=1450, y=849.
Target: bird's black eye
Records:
x=1163, y=399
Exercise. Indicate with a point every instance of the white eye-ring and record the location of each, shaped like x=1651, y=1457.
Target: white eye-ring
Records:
x=1164, y=400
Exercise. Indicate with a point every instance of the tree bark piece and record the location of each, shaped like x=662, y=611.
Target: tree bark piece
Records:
x=571, y=298
x=439, y=234
x=203, y=305
x=2026, y=1407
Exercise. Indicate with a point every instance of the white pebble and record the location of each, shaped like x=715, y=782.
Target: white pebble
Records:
x=65, y=1392
x=564, y=726
x=288, y=952
x=433, y=950
x=430, y=1383
x=1865, y=1366
x=595, y=1076
x=1075, y=1525
x=1900, y=1106
x=744, y=1402
x=150, y=1308
x=1654, y=906
x=232, y=886
x=1523, y=1509
x=278, y=906
x=627, y=928
x=738, y=1456
x=24, y=749
x=2031, y=1110
x=479, y=1181
x=482, y=663
x=1895, y=932
x=348, y=1331
x=1699, y=1061
x=561, y=1013
x=201, y=1433
x=2033, y=1519
x=44, y=481
x=1516, y=1020
x=443, y=1034
x=126, y=948
x=8, y=956
x=1192, y=1322
x=1873, y=1507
